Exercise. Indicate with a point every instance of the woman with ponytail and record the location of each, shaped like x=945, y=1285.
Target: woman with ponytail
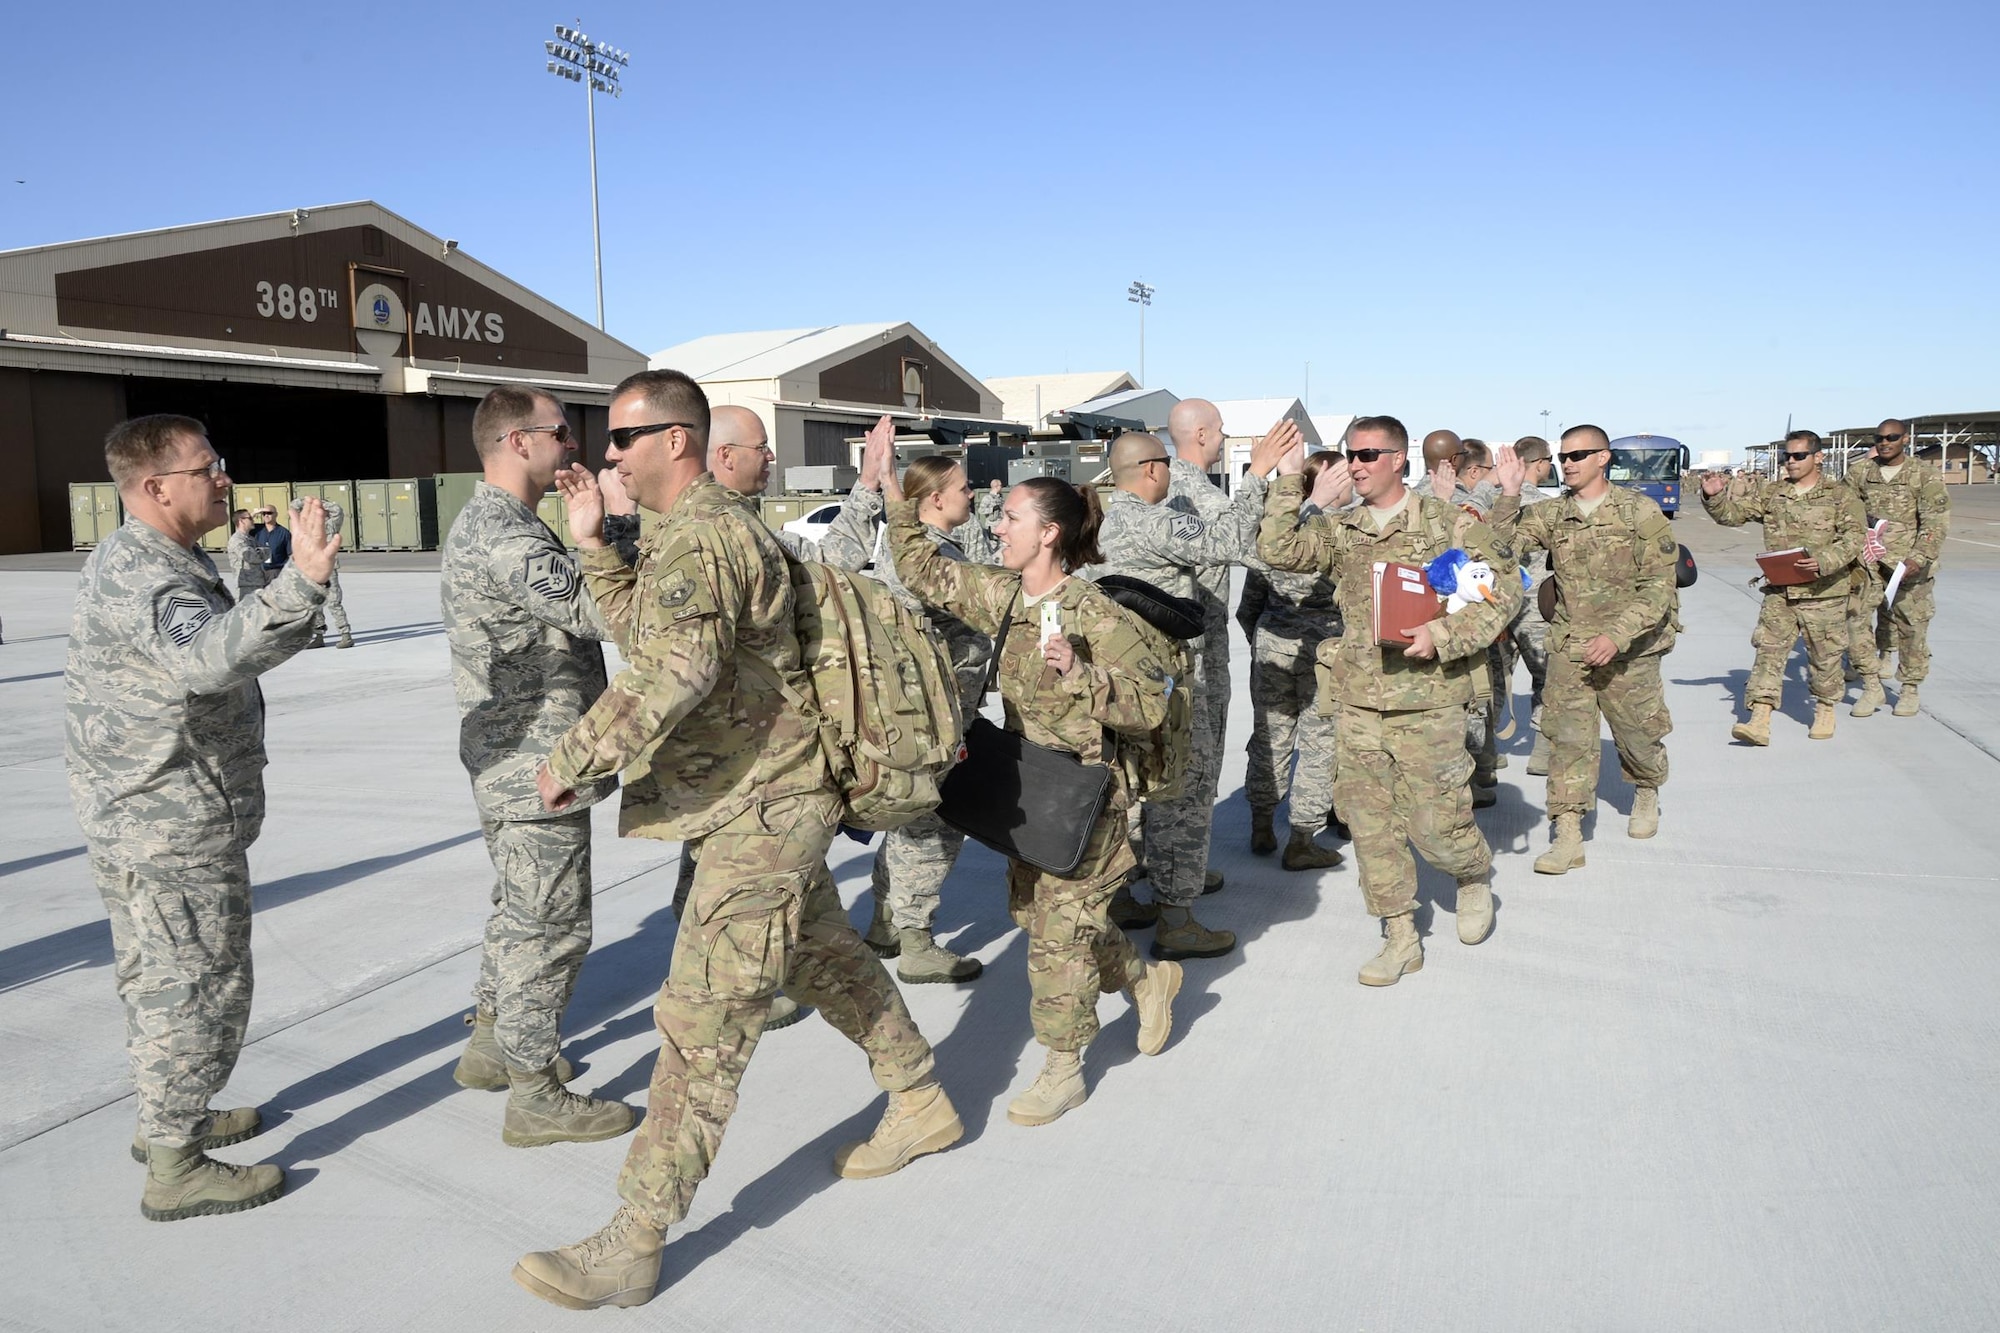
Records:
x=1092, y=675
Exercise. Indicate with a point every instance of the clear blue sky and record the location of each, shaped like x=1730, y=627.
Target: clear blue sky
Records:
x=1695, y=219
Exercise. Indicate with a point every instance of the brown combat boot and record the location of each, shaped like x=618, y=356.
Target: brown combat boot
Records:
x=1565, y=851
x=1153, y=997
x=1644, y=820
x=1401, y=952
x=231, y=1126
x=187, y=1182
x=481, y=1065
x=1757, y=731
x=921, y=1120
x=1302, y=853
x=1263, y=837
x=1822, y=723
x=541, y=1111
x=1475, y=911
x=1128, y=913
x=619, y=1265
x=1871, y=698
x=923, y=960
x=1906, y=702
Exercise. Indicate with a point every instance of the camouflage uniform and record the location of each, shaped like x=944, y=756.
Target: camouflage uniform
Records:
x=525, y=664
x=1404, y=770
x=715, y=752
x=1481, y=739
x=1614, y=567
x=334, y=613
x=1919, y=512
x=246, y=557
x=1828, y=522
x=1074, y=952
x=1286, y=617
x=1193, y=491
x=1175, y=551
x=1529, y=632
x=164, y=744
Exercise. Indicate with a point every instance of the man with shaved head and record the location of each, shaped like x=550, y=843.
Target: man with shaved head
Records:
x=1144, y=537
x=1909, y=494
x=1195, y=426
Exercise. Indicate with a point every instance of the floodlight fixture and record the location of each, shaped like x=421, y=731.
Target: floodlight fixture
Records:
x=1141, y=295
x=598, y=66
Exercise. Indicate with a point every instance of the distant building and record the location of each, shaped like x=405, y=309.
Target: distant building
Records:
x=1036, y=398
x=1245, y=421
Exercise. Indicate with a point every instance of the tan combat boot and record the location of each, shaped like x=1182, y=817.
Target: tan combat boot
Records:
x=1057, y=1089
x=1153, y=999
x=925, y=960
x=482, y=1066
x=1401, y=952
x=1757, y=731
x=1565, y=849
x=541, y=1111
x=1178, y=935
x=231, y=1126
x=187, y=1182
x=882, y=936
x=1263, y=837
x=1644, y=821
x=1906, y=702
x=1302, y=853
x=1822, y=723
x=1475, y=911
x=1871, y=698
x=619, y=1265
x=921, y=1120
x=1538, y=758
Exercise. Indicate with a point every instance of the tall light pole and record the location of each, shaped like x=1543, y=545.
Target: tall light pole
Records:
x=595, y=65
x=1545, y=421
x=1141, y=295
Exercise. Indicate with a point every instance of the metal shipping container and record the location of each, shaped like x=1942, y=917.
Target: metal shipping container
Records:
x=820, y=478
x=94, y=512
x=779, y=510
x=396, y=515
x=454, y=491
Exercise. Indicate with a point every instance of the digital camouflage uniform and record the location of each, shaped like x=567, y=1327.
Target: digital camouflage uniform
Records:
x=164, y=742
x=525, y=665
x=1614, y=569
x=1074, y=952
x=715, y=752
x=1404, y=771
x=334, y=613
x=1286, y=617
x=246, y=558
x=1828, y=522
x=1918, y=509
x=1193, y=491
x=1174, y=550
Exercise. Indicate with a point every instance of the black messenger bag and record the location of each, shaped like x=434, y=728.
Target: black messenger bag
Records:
x=1025, y=801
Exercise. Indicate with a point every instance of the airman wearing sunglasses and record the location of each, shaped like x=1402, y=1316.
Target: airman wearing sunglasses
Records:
x=1908, y=492
x=1611, y=552
x=1404, y=774
x=1822, y=517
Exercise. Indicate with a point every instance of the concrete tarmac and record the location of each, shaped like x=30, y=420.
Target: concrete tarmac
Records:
x=1741, y=1076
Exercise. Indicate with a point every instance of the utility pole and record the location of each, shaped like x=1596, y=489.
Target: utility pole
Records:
x=1141, y=295
x=597, y=66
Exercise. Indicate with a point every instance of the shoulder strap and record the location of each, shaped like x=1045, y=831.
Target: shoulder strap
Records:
x=1000, y=643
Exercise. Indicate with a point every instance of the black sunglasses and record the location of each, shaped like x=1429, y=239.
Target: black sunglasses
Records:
x=1368, y=455
x=1578, y=455
x=1887, y=439
x=560, y=431
x=621, y=437
x=1796, y=457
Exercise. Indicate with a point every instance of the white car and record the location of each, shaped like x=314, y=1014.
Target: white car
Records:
x=813, y=525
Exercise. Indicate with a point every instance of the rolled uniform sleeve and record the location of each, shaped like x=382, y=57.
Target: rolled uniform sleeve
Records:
x=1286, y=543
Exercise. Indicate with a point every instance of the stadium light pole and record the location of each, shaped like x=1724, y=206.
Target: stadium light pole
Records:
x=597, y=66
x=1141, y=295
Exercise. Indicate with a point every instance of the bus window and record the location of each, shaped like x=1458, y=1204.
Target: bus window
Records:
x=1629, y=465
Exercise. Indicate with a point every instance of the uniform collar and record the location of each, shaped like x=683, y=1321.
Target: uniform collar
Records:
x=194, y=558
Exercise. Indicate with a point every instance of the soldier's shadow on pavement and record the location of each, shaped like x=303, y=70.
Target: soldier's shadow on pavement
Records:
x=1797, y=702
x=380, y=1111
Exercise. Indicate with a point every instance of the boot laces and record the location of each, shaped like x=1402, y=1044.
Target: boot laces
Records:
x=594, y=1248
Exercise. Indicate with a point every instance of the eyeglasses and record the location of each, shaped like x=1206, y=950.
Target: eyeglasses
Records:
x=1887, y=439
x=621, y=437
x=560, y=431
x=1578, y=455
x=1368, y=455
x=1798, y=458
x=211, y=471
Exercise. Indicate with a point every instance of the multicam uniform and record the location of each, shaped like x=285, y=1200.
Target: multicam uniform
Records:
x=1827, y=521
x=164, y=741
x=1404, y=770
x=706, y=623
x=1286, y=616
x=1614, y=568
x=1074, y=952
x=1918, y=509
x=525, y=664
x=1529, y=632
x=1175, y=551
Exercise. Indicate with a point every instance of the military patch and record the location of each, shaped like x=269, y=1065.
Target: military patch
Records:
x=552, y=576
x=1667, y=545
x=181, y=618
x=1188, y=528
x=676, y=588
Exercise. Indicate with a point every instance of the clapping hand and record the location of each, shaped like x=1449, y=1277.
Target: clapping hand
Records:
x=312, y=549
x=1713, y=482
x=1509, y=470
x=617, y=500
x=1269, y=452
x=585, y=503
x=1444, y=481
x=1334, y=486
x=878, y=459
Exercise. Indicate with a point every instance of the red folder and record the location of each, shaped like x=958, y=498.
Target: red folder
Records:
x=1780, y=569
x=1403, y=598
